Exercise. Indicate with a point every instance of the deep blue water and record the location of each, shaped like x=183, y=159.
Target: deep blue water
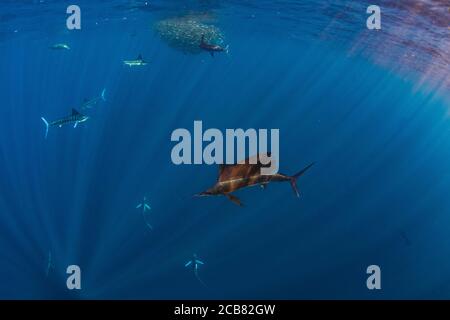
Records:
x=369, y=107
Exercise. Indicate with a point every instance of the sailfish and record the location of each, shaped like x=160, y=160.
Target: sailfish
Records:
x=245, y=174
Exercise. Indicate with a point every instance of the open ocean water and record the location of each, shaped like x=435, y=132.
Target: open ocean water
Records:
x=369, y=107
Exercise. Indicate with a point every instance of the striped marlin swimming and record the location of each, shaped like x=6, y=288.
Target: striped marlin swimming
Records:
x=89, y=103
x=75, y=118
x=136, y=63
x=245, y=174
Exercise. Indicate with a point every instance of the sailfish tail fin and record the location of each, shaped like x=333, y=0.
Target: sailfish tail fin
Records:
x=295, y=177
x=46, y=126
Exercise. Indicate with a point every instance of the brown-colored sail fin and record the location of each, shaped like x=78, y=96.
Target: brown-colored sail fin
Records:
x=222, y=167
x=225, y=172
x=243, y=169
x=256, y=160
x=238, y=171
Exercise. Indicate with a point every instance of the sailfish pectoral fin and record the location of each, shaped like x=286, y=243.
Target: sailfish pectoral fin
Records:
x=234, y=199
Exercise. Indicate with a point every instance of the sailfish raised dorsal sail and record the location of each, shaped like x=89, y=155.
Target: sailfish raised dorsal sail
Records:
x=243, y=169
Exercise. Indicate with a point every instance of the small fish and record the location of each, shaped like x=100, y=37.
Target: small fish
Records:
x=60, y=46
x=145, y=207
x=244, y=174
x=135, y=63
x=50, y=264
x=194, y=263
x=75, y=118
x=89, y=103
x=211, y=48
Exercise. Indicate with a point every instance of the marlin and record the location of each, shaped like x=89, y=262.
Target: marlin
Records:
x=60, y=46
x=245, y=174
x=211, y=48
x=75, y=118
x=138, y=62
x=89, y=103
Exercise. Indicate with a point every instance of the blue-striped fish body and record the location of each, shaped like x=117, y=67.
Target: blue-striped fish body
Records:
x=75, y=118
